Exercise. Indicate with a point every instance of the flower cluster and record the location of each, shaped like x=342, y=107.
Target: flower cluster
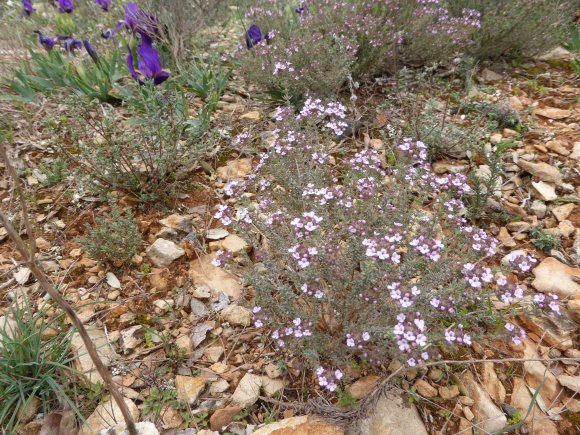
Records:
x=329, y=379
x=332, y=40
x=346, y=274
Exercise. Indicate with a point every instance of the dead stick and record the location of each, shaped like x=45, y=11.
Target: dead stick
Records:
x=45, y=284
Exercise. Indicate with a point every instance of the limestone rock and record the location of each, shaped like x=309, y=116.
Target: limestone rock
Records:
x=442, y=167
x=553, y=276
x=521, y=399
x=178, y=222
x=83, y=362
x=163, y=252
x=488, y=76
x=539, y=208
x=448, y=393
x=492, y=384
x=189, y=388
x=557, y=331
x=303, y=425
x=425, y=389
x=202, y=272
x=248, y=390
x=537, y=372
x=232, y=243
x=363, y=386
x=543, y=171
x=271, y=387
x=546, y=191
x=571, y=382
x=106, y=415
x=391, y=416
x=223, y=417
x=576, y=151
x=237, y=316
x=552, y=112
x=235, y=169
x=487, y=415
x=506, y=240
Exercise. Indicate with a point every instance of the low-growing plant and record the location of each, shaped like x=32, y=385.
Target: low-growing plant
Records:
x=487, y=182
x=360, y=259
x=183, y=21
x=544, y=240
x=114, y=238
x=443, y=137
x=54, y=72
x=32, y=366
x=510, y=27
x=208, y=81
x=146, y=154
x=55, y=171
x=316, y=46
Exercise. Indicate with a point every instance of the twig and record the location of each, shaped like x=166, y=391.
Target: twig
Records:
x=46, y=285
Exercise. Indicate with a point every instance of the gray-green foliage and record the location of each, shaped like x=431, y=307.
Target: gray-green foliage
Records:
x=444, y=137
x=144, y=151
x=30, y=365
x=517, y=27
x=114, y=238
x=486, y=184
x=544, y=240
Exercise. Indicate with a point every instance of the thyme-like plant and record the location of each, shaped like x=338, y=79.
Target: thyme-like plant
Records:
x=145, y=152
x=114, y=238
x=361, y=260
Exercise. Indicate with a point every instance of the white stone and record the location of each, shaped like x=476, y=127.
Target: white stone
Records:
x=237, y=316
x=163, y=252
x=488, y=417
x=547, y=191
x=248, y=390
x=106, y=415
x=553, y=276
x=539, y=208
x=83, y=362
x=392, y=416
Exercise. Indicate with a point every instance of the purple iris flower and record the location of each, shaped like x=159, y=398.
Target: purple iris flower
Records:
x=27, y=8
x=148, y=63
x=91, y=50
x=104, y=4
x=69, y=43
x=46, y=41
x=66, y=6
x=301, y=9
x=253, y=36
x=136, y=21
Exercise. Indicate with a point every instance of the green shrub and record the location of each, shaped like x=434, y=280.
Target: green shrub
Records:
x=183, y=21
x=544, y=240
x=145, y=151
x=517, y=27
x=317, y=49
x=359, y=259
x=114, y=239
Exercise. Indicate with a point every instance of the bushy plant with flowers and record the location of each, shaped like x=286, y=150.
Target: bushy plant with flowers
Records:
x=358, y=260
x=315, y=46
x=517, y=27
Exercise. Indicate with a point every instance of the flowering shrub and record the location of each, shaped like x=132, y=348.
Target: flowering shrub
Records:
x=317, y=46
x=517, y=27
x=361, y=260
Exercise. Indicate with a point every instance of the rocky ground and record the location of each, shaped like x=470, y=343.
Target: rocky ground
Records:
x=173, y=327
